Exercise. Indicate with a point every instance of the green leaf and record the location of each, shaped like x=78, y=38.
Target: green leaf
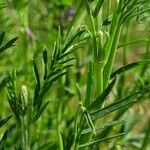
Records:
x=3, y=121
x=133, y=42
x=2, y=34
x=88, y=118
x=97, y=8
x=100, y=99
x=40, y=111
x=100, y=140
x=37, y=76
x=89, y=85
x=4, y=140
x=88, y=7
x=79, y=33
x=103, y=126
x=78, y=92
x=8, y=44
x=128, y=67
x=107, y=21
x=45, y=60
x=116, y=105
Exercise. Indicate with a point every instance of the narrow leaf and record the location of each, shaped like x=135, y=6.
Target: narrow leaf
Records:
x=103, y=126
x=116, y=105
x=8, y=44
x=3, y=140
x=2, y=34
x=3, y=121
x=100, y=140
x=100, y=99
x=79, y=33
x=133, y=42
x=45, y=60
x=37, y=76
x=40, y=111
x=97, y=8
x=128, y=67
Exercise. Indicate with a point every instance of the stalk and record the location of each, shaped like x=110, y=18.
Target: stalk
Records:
x=24, y=134
x=111, y=46
x=97, y=63
x=60, y=141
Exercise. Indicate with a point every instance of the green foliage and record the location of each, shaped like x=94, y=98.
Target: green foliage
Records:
x=71, y=92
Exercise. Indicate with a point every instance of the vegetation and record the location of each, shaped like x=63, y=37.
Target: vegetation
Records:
x=75, y=74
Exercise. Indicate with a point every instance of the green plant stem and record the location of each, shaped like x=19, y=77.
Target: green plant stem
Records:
x=96, y=54
x=24, y=134
x=60, y=141
x=98, y=78
x=111, y=46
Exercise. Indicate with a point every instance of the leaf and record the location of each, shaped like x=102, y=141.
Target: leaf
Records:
x=40, y=111
x=37, y=76
x=138, y=41
x=88, y=7
x=79, y=33
x=78, y=92
x=100, y=99
x=139, y=13
x=103, y=126
x=3, y=5
x=8, y=44
x=2, y=34
x=97, y=8
x=128, y=67
x=3, y=121
x=88, y=118
x=100, y=140
x=107, y=21
x=66, y=61
x=45, y=60
x=132, y=98
x=3, y=140
x=89, y=85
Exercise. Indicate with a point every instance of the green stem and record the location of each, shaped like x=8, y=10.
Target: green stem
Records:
x=24, y=134
x=60, y=141
x=99, y=78
x=111, y=46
